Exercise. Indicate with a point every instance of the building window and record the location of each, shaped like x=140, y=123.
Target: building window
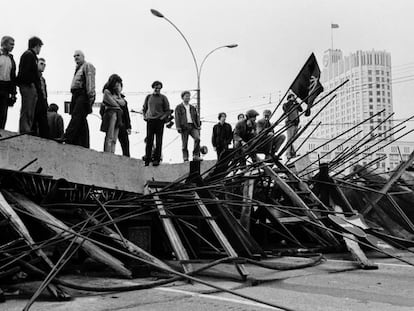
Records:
x=370, y=99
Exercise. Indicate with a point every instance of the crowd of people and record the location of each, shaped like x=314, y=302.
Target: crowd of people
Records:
x=39, y=118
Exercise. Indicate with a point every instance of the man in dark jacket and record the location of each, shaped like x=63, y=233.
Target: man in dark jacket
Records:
x=187, y=122
x=245, y=130
x=264, y=123
x=222, y=135
x=40, y=124
x=7, y=78
x=28, y=81
x=156, y=110
x=55, y=122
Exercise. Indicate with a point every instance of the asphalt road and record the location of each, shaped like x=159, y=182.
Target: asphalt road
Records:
x=333, y=285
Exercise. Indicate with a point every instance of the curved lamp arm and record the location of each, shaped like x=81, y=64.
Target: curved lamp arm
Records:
x=229, y=46
x=159, y=14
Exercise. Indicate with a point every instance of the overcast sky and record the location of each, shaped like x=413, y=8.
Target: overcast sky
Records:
x=274, y=37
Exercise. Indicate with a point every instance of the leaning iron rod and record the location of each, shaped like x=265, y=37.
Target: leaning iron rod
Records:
x=169, y=270
x=332, y=139
x=368, y=154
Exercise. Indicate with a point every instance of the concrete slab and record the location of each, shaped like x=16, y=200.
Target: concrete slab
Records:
x=85, y=166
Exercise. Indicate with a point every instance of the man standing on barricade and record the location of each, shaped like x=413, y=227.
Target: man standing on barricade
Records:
x=28, y=80
x=83, y=97
x=7, y=78
x=156, y=111
x=187, y=122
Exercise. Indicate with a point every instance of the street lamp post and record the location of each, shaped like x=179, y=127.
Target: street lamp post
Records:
x=198, y=69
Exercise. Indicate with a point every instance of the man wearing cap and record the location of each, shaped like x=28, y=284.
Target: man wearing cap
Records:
x=7, y=78
x=187, y=122
x=245, y=129
x=292, y=109
x=222, y=135
x=156, y=111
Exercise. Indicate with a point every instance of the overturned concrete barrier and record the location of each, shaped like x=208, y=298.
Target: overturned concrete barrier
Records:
x=85, y=166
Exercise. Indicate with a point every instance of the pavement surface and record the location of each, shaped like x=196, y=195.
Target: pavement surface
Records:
x=336, y=284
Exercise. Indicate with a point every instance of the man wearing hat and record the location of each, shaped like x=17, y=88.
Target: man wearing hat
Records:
x=246, y=130
x=187, y=122
x=156, y=111
x=292, y=109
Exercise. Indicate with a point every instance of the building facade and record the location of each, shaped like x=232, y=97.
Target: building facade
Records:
x=367, y=95
x=385, y=157
x=367, y=92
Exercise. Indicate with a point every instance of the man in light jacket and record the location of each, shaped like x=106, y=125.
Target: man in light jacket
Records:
x=187, y=122
x=83, y=97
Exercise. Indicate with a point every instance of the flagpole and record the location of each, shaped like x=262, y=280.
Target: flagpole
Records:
x=331, y=39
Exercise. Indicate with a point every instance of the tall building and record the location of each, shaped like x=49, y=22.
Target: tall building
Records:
x=367, y=92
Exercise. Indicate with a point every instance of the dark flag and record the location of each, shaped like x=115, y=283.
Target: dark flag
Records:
x=306, y=85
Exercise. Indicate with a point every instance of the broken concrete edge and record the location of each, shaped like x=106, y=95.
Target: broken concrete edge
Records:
x=86, y=166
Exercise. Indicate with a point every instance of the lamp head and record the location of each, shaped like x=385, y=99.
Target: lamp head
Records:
x=230, y=46
x=156, y=13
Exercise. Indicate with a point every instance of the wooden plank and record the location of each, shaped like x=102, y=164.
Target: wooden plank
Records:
x=351, y=240
x=394, y=177
x=236, y=231
x=248, y=188
x=172, y=234
x=303, y=187
x=296, y=199
x=284, y=220
x=14, y=220
x=357, y=253
x=64, y=231
x=131, y=247
x=219, y=234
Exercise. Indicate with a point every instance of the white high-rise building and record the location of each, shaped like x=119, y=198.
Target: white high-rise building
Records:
x=368, y=91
